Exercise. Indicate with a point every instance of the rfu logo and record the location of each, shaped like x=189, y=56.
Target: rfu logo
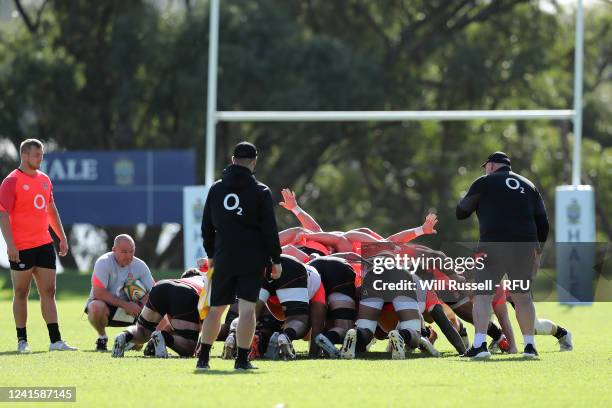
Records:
x=573, y=212
x=124, y=171
x=26, y=187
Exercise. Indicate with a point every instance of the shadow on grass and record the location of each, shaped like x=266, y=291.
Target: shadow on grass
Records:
x=383, y=355
x=225, y=372
x=500, y=360
x=14, y=353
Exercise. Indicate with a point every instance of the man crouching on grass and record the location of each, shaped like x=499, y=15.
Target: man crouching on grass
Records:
x=107, y=304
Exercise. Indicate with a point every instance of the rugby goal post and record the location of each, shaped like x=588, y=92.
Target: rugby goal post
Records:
x=581, y=229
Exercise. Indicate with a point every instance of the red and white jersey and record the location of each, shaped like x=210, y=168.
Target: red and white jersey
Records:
x=26, y=199
x=197, y=283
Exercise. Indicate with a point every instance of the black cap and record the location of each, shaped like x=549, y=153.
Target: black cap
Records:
x=245, y=150
x=497, y=157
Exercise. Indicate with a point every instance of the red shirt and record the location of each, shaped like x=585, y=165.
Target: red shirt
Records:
x=26, y=199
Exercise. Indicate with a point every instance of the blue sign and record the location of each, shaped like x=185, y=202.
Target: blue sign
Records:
x=120, y=187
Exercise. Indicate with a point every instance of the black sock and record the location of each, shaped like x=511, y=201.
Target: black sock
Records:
x=22, y=334
x=560, y=332
x=168, y=338
x=362, y=342
x=333, y=336
x=243, y=355
x=289, y=332
x=425, y=332
x=128, y=336
x=493, y=331
x=406, y=335
x=204, y=352
x=54, y=333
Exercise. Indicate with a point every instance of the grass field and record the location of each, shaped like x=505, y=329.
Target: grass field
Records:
x=578, y=378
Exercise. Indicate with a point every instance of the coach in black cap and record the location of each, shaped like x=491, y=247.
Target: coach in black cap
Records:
x=241, y=240
x=513, y=230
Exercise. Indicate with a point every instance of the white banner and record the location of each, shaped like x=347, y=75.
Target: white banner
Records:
x=574, y=228
x=194, y=198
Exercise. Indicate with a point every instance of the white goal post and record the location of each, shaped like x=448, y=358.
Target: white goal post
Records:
x=568, y=228
x=214, y=116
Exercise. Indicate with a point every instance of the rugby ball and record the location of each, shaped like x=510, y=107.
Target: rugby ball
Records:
x=134, y=290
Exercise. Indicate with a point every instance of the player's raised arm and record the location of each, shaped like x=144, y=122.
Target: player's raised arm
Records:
x=428, y=227
x=290, y=203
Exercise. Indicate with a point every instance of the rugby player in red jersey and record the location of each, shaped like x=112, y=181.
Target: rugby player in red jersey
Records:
x=27, y=209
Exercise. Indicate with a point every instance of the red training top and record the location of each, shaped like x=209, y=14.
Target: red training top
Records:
x=26, y=198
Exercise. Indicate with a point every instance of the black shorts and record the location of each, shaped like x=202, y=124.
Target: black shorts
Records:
x=337, y=276
x=294, y=275
x=172, y=298
x=42, y=256
x=114, y=323
x=514, y=259
x=225, y=288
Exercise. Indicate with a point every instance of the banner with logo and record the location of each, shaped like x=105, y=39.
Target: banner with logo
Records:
x=194, y=198
x=120, y=187
x=575, y=225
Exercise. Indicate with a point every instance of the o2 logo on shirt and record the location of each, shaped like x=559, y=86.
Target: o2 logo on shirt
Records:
x=39, y=202
x=231, y=202
x=513, y=184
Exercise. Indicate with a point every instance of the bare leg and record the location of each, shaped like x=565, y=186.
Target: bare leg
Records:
x=525, y=312
x=45, y=282
x=481, y=314
x=212, y=324
x=21, y=290
x=98, y=314
x=246, y=323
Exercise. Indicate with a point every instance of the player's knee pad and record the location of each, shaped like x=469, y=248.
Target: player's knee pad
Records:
x=366, y=324
x=294, y=308
x=342, y=313
x=146, y=324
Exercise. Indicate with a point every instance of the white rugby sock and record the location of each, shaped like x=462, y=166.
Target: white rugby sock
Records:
x=529, y=340
x=479, y=338
x=544, y=326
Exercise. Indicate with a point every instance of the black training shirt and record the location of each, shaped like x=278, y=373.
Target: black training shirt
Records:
x=238, y=226
x=508, y=206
